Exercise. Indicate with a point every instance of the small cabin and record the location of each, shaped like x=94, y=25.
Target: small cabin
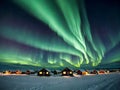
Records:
x=44, y=72
x=84, y=73
x=28, y=72
x=102, y=72
x=7, y=72
x=79, y=72
x=18, y=72
x=94, y=72
x=67, y=72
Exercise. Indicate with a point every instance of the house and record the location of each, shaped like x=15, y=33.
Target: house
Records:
x=18, y=72
x=28, y=72
x=67, y=72
x=79, y=72
x=84, y=73
x=7, y=72
x=94, y=72
x=101, y=72
x=43, y=72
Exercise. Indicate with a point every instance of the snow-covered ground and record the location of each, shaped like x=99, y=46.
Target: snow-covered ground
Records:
x=89, y=82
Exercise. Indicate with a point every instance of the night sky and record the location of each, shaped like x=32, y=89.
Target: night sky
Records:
x=60, y=33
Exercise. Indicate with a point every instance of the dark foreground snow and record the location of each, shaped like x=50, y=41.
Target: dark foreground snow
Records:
x=94, y=82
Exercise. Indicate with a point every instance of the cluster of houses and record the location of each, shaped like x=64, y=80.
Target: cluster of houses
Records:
x=17, y=72
x=65, y=72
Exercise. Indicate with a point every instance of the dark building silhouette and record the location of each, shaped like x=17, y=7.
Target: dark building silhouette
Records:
x=79, y=72
x=43, y=72
x=94, y=72
x=67, y=72
x=55, y=72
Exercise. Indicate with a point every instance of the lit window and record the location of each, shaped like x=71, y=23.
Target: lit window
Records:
x=46, y=72
x=40, y=72
x=64, y=72
x=70, y=72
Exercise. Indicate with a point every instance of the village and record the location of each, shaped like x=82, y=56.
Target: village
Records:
x=65, y=72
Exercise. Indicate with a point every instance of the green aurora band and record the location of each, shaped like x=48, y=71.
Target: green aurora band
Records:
x=66, y=19
x=72, y=33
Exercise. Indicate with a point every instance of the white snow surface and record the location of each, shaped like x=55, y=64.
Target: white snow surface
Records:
x=90, y=82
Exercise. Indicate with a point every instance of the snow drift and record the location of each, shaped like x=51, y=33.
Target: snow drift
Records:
x=90, y=82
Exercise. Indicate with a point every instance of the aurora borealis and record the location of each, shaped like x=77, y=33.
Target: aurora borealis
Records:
x=60, y=33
